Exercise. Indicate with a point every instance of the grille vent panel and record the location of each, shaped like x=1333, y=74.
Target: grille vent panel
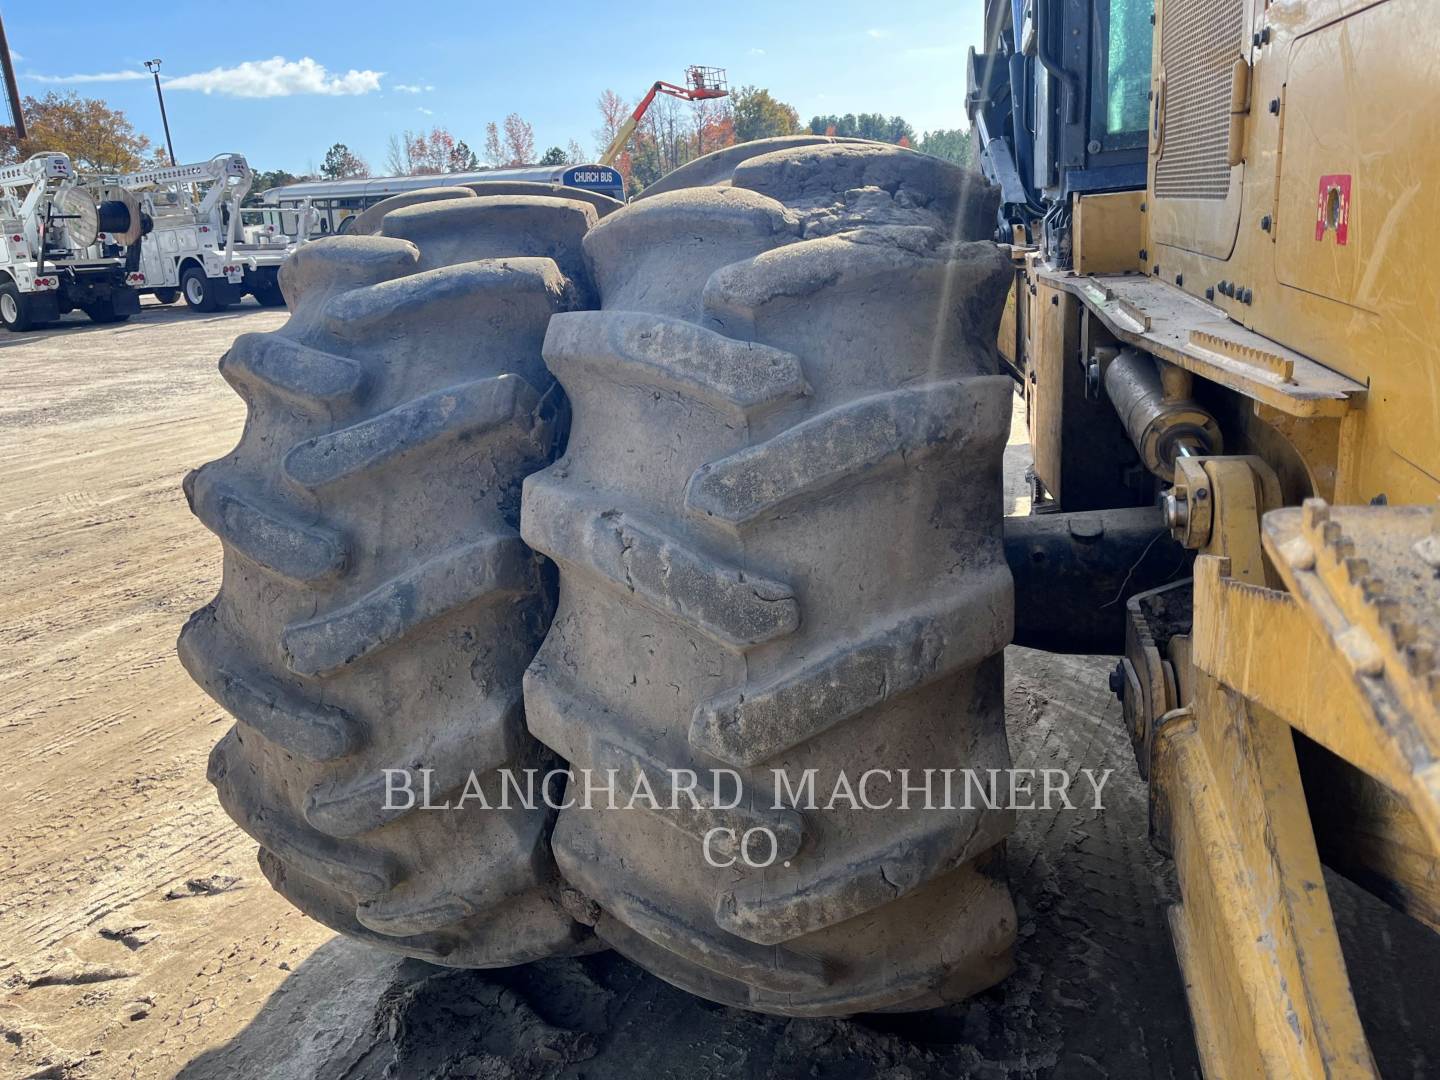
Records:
x=1200, y=41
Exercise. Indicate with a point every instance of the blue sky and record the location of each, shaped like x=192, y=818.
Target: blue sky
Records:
x=281, y=82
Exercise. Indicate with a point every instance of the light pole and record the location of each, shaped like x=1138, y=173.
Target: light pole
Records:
x=153, y=66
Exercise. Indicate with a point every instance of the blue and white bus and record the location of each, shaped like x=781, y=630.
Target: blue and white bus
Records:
x=334, y=203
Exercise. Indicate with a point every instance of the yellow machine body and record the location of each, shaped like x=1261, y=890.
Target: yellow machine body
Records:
x=1325, y=224
x=1277, y=269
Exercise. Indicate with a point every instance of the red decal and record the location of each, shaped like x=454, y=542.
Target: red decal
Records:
x=1332, y=209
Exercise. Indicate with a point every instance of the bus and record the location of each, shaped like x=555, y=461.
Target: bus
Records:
x=334, y=204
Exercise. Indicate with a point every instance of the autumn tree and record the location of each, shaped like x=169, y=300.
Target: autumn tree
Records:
x=575, y=153
x=342, y=164
x=96, y=137
x=759, y=116
x=670, y=133
x=419, y=153
x=519, y=141
x=614, y=111
x=714, y=125
x=432, y=153
x=494, y=152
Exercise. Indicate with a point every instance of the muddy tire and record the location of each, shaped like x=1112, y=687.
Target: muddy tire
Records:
x=378, y=607
x=603, y=204
x=368, y=222
x=777, y=523
x=717, y=167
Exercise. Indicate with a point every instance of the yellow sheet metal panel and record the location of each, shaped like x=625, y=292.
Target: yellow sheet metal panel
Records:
x=1347, y=156
x=1340, y=88
x=1107, y=232
x=1056, y=342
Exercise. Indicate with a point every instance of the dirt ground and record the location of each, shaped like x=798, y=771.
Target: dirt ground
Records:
x=138, y=938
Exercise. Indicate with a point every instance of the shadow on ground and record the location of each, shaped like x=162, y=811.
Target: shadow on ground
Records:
x=77, y=324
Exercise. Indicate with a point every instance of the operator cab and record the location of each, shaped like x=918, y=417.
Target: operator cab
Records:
x=1060, y=101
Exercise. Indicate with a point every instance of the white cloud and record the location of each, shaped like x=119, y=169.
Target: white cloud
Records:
x=15, y=55
x=757, y=52
x=412, y=88
x=877, y=33
x=424, y=111
x=276, y=77
x=102, y=76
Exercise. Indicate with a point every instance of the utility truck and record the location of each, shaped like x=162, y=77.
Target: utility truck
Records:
x=198, y=247
x=49, y=265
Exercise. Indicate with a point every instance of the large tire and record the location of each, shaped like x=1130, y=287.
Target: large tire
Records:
x=16, y=311
x=103, y=311
x=369, y=221
x=778, y=529
x=603, y=204
x=201, y=294
x=378, y=607
x=267, y=291
x=717, y=167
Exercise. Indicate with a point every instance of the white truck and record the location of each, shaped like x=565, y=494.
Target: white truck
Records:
x=49, y=264
x=197, y=247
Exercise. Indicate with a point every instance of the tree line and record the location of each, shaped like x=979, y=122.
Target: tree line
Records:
x=101, y=139
x=507, y=144
x=673, y=132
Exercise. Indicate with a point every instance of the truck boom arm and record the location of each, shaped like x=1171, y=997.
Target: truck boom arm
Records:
x=228, y=176
x=35, y=170
x=705, y=84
